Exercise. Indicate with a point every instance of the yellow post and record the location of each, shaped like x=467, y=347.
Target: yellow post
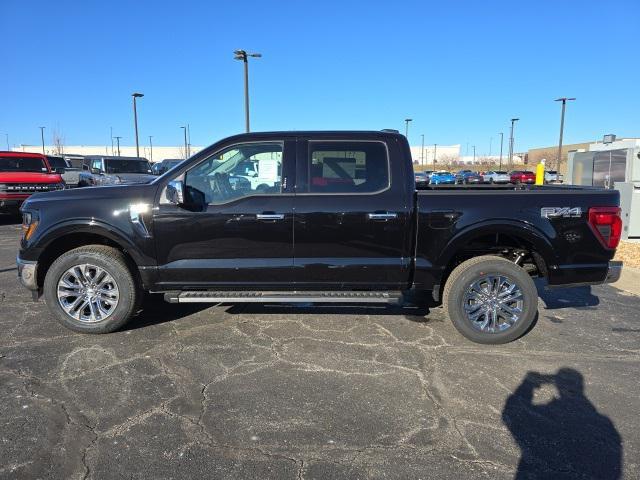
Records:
x=540, y=174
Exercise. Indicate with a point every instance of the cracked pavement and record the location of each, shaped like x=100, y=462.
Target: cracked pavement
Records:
x=283, y=391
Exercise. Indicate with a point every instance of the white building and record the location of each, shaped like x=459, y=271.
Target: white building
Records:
x=443, y=154
x=159, y=152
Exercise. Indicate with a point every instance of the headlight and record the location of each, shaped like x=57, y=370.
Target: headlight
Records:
x=29, y=224
x=3, y=187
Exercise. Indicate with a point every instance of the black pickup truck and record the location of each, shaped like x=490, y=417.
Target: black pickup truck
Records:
x=335, y=217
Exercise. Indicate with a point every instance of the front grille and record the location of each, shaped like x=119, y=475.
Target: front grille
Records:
x=31, y=187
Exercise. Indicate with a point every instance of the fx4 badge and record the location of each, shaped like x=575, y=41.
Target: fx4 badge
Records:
x=557, y=212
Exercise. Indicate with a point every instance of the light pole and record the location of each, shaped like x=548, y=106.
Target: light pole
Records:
x=42, y=137
x=474, y=154
x=501, y=140
x=111, y=133
x=406, y=126
x=435, y=151
x=564, y=106
x=511, y=144
x=422, y=151
x=151, y=146
x=118, y=142
x=244, y=56
x=135, y=119
x=185, y=142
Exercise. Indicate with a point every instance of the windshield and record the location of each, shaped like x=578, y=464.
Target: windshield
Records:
x=500, y=173
x=57, y=162
x=127, y=166
x=22, y=164
x=442, y=173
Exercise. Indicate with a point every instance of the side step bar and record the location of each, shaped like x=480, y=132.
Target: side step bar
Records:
x=286, y=297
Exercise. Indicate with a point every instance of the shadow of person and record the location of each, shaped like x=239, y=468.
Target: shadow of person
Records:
x=565, y=437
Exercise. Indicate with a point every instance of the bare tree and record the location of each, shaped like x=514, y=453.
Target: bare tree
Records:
x=58, y=141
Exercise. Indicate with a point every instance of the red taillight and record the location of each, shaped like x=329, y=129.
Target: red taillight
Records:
x=607, y=225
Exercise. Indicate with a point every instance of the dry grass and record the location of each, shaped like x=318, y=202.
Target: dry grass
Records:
x=629, y=253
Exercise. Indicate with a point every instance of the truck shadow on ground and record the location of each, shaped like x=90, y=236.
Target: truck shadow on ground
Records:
x=562, y=434
x=575, y=297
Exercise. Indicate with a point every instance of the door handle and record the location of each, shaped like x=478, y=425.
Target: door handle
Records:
x=270, y=216
x=382, y=216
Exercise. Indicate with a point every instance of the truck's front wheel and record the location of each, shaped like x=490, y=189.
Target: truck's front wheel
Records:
x=490, y=299
x=91, y=289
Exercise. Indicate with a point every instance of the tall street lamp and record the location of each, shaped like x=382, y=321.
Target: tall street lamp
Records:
x=42, y=137
x=564, y=105
x=244, y=56
x=474, y=154
x=422, y=151
x=151, y=147
x=501, y=140
x=435, y=152
x=135, y=119
x=185, y=142
x=406, y=126
x=511, y=145
x=118, y=143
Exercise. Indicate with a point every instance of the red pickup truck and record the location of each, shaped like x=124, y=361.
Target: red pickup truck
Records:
x=22, y=174
x=522, y=176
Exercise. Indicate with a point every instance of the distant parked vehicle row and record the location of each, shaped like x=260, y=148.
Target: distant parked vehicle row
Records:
x=469, y=177
x=69, y=173
x=106, y=170
x=160, y=168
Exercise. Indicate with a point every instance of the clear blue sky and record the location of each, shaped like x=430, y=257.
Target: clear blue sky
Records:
x=460, y=69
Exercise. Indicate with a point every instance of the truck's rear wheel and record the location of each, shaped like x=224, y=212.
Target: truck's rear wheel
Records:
x=91, y=289
x=490, y=300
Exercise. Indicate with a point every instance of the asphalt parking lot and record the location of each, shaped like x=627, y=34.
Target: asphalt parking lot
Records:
x=284, y=391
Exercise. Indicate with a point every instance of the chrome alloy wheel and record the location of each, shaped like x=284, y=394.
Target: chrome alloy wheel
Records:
x=493, y=303
x=88, y=293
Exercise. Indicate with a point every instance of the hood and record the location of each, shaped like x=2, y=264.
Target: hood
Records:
x=133, y=177
x=88, y=196
x=29, y=177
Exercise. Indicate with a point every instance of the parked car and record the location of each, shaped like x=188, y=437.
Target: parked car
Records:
x=165, y=165
x=468, y=176
x=21, y=175
x=104, y=170
x=70, y=175
x=362, y=234
x=442, y=178
x=497, y=176
x=522, y=176
x=422, y=178
x=552, y=176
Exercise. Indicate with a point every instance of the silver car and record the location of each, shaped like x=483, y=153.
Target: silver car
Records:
x=497, y=176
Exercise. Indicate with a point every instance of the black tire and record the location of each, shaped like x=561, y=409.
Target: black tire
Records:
x=470, y=271
x=115, y=264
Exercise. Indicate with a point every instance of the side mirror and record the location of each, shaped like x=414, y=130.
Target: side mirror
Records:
x=59, y=170
x=175, y=192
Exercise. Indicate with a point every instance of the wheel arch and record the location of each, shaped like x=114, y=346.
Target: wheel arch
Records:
x=69, y=236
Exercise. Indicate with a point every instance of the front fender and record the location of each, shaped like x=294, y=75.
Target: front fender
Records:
x=139, y=248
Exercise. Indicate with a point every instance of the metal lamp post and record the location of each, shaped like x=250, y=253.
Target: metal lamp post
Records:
x=501, y=140
x=151, y=147
x=135, y=119
x=435, y=152
x=185, y=142
x=244, y=56
x=511, y=144
x=118, y=143
x=42, y=137
x=406, y=126
x=564, y=105
x=422, y=151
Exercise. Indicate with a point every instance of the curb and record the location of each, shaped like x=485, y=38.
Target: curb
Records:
x=629, y=280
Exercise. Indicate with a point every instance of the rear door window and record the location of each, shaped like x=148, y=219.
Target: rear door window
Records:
x=347, y=167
